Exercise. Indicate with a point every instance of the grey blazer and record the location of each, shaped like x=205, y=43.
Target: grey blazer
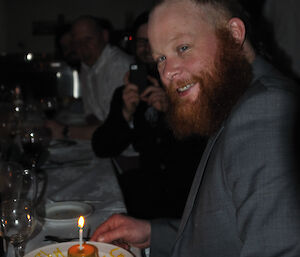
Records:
x=245, y=198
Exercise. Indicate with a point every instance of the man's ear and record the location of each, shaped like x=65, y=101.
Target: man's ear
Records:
x=237, y=28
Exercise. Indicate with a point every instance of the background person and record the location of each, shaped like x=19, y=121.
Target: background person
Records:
x=244, y=200
x=102, y=70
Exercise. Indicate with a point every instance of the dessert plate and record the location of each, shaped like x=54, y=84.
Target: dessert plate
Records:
x=104, y=250
x=66, y=211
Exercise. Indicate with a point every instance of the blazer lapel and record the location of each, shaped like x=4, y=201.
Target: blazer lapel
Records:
x=197, y=181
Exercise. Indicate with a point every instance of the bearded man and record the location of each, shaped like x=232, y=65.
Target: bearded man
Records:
x=244, y=200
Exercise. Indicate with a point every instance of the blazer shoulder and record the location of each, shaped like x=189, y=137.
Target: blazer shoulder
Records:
x=269, y=91
x=267, y=101
x=277, y=82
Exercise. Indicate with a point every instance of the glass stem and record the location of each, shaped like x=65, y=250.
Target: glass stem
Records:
x=19, y=250
x=3, y=247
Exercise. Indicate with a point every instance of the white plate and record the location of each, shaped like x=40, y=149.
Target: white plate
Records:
x=104, y=250
x=66, y=211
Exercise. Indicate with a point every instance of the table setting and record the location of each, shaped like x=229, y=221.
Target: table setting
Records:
x=72, y=182
x=46, y=185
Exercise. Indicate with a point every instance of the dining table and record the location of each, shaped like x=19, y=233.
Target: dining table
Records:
x=73, y=179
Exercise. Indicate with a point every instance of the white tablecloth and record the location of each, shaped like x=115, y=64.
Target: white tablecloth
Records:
x=74, y=173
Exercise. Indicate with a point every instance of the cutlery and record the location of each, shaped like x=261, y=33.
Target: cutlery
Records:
x=52, y=164
x=62, y=142
x=69, y=161
x=62, y=239
x=71, y=165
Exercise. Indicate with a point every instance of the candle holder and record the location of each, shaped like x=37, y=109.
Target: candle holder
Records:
x=84, y=250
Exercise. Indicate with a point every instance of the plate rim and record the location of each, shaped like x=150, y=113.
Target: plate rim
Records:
x=68, y=244
x=61, y=203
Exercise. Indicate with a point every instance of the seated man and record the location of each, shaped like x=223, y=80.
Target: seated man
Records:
x=244, y=200
x=102, y=70
x=157, y=187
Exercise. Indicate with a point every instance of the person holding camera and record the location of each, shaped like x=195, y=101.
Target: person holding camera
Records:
x=154, y=185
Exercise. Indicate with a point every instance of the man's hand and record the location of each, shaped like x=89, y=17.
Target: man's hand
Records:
x=155, y=96
x=125, y=231
x=131, y=99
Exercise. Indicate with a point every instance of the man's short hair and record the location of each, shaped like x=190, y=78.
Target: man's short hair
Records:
x=233, y=8
x=140, y=20
x=99, y=24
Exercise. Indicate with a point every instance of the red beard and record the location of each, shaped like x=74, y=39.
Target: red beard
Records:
x=220, y=89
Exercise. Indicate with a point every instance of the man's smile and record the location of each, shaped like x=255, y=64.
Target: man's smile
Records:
x=185, y=88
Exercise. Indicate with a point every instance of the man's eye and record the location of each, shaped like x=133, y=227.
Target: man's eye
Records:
x=183, y=48
x=160, y=59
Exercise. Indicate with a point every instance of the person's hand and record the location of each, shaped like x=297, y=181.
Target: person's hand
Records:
x=155, y=96
x=124, y=231
x=56, y=129
x=131, y=98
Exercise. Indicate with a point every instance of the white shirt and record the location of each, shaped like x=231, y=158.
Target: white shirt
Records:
x=99, y=82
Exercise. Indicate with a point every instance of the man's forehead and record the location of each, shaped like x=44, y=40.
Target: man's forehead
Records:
x=142, y=31
x=175, y=12
x=84, y=27
x=175, y=18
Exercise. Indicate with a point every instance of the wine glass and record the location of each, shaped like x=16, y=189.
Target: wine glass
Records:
x=8, y=121
x=17, y=223
x=17, y=182
x=35, y=141
x=49, y=106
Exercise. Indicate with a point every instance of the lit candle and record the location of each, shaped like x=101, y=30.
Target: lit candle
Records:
x=80, y=225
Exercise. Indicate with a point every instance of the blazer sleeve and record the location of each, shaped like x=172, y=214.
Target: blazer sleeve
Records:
x=263, y=174
x=163, y=235
x=114, y=135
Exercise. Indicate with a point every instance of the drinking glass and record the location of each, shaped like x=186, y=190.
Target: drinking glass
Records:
x=8, y=121
x=49, y=106
x=17, y=223
x=35, y=141
x=17, y=183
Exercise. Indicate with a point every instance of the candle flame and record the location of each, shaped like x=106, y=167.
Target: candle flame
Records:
x=81, y=222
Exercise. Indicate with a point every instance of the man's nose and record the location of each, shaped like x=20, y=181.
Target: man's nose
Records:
x=171, y=69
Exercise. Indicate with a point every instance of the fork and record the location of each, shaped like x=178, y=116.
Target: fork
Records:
x=61, y=239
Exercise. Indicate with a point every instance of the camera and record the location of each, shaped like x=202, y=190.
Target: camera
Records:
x=138, y=76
